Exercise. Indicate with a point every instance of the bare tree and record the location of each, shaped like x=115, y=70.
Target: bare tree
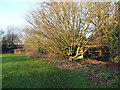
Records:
x=62, y=27
x=10, y=38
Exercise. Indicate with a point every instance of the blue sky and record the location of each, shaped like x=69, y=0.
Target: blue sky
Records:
x=13, y=12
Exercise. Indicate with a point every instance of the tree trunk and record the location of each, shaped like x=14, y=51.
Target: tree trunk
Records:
x=70, y=59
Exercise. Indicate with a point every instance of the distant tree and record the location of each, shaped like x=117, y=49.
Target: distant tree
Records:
x=10, y=39
x=1, y=35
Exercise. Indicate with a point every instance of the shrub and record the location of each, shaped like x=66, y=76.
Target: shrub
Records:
x=106, y=76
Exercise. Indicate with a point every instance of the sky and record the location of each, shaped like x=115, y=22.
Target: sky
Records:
x=12, y=12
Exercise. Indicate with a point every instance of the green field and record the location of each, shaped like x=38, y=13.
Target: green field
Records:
x=20, y=72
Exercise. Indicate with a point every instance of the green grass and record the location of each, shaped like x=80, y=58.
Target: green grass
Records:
x=20, y=72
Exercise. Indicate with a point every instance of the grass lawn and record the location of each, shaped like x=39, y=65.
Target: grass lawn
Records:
x=20, y=72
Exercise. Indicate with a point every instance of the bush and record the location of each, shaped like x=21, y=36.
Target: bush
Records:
x=106, y=76
x=33, y=54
